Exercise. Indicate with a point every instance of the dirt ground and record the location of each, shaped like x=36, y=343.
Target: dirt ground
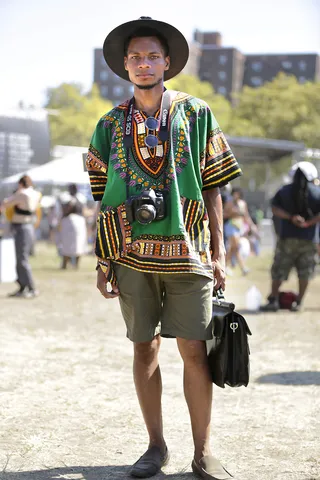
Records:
x=68, y=408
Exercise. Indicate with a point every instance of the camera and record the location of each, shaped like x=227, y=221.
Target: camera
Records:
x=146, y=207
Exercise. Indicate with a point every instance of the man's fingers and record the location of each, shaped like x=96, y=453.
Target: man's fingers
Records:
x=102, y=287
x=220, y=279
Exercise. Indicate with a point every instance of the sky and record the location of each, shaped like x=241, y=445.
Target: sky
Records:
x=44, y=43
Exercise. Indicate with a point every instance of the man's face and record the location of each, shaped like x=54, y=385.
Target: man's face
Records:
x=145, y=62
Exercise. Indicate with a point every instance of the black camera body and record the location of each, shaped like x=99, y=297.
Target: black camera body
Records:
x=146, y=207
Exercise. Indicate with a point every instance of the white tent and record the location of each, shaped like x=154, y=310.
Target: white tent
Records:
x=59, y=172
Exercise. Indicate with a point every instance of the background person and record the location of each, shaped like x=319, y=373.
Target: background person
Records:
x=297, y=205
x=73, y=229
x=25, y=202
x=239, y=224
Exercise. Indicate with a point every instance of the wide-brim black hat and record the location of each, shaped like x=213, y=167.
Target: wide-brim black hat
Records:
x=113, y=47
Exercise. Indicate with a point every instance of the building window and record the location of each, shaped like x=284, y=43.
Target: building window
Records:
x=205, y=76
x=223, y=59
x=286, y=64
x=302, y=79
x=222, y=91
x=256, y=66
x=222, y=75
x=118, y=91
x=103, y=75
x=256, y=81
x=302, y=65
x=104, y=91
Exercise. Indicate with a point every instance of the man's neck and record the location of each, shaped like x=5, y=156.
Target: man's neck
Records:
x=148, y=101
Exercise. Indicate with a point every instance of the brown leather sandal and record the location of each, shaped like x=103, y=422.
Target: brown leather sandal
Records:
x=210, y=468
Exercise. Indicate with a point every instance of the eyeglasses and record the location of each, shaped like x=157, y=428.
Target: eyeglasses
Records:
x=150, y=140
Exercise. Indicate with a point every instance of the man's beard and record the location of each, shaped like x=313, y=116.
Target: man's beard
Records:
x=150, y=86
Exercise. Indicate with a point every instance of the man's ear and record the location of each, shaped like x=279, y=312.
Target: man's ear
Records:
x=167, y=60
x=125, y=63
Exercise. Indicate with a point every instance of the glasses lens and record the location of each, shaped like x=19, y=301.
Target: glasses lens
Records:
x=151, y=123
x=151, y=141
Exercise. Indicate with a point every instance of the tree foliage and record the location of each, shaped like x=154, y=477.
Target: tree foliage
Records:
x=74, y=114
x=281, y=109
x=220, y=106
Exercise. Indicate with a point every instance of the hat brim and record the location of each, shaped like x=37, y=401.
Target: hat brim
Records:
x=113, y=47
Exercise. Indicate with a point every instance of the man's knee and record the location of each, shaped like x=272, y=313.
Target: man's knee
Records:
x=146, y=352
x=192, y=351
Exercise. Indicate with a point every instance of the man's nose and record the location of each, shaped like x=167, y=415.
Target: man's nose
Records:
x=144, y=62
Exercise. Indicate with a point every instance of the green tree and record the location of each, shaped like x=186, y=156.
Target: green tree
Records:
x=74, y=114
x=204, y=90
x=281, y=109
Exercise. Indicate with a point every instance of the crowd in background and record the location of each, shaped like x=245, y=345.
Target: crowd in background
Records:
x=69, y=223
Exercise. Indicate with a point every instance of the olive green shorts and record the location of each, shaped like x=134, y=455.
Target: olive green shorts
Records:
x=293, y=253
x=173, y=305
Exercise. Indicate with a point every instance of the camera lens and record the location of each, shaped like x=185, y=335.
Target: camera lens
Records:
x=146, y=214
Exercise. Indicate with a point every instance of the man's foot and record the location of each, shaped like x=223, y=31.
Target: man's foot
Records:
x=18, y=293
x=24, y=293
x=210, y=468
x=150, y=463
x=296, y=306
x=31, y=293
x=271, y=306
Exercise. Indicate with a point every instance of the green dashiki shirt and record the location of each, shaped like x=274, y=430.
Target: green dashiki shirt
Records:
x=196, y=157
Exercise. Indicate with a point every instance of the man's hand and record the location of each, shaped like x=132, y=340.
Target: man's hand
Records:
x=219, y=271
x=102, y=286
x=298, y=221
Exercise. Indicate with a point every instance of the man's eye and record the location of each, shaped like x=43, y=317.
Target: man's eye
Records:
x=154, y=57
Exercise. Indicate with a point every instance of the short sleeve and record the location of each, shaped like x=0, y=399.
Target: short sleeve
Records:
x=277, y=200
x=97, y=159
x=220, y=165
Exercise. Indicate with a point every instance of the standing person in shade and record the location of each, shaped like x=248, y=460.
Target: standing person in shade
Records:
x=297, y=205
x=25, y=202
x=73, y=229
x=156, y=163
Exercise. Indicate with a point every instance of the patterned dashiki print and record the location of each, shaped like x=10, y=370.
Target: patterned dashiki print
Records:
x=196, y=157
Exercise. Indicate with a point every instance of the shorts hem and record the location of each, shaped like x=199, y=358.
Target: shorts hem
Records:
x=171, y=334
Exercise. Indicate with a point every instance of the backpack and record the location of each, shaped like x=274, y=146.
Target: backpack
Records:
x=286, y=299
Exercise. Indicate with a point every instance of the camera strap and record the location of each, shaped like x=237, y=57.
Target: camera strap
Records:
x=128, y=127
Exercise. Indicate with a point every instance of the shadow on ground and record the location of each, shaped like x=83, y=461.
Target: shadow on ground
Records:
x=87, y=473
x=291, y=378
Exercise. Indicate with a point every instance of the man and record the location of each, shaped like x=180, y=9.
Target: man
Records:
x=150, y=161
x=297, y=205
x=25, y=202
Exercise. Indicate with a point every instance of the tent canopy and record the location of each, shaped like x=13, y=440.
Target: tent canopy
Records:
x=58, y=172
x=250, y=149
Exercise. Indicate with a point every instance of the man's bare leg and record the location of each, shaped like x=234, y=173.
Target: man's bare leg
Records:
x=147, y=379
x=303, y=285
x=198, y=393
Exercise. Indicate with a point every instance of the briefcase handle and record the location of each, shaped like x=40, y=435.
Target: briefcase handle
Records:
x=218, y=296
